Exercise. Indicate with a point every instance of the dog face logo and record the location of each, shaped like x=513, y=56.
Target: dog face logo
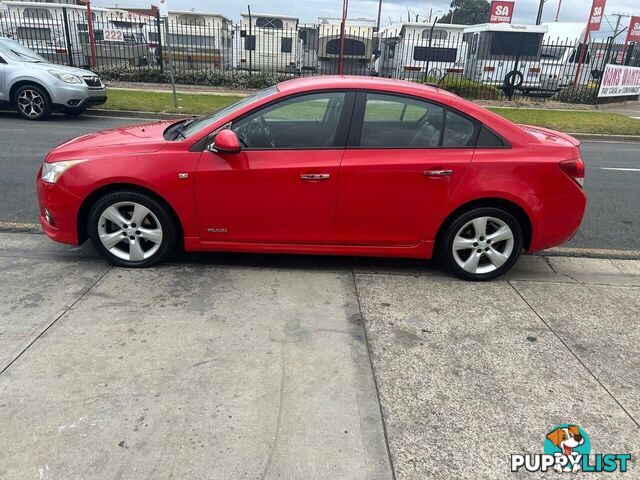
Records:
x=566, y=438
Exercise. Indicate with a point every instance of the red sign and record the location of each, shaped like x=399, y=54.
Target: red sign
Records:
x=633, y=34
x=596, y=15
x=501, y=11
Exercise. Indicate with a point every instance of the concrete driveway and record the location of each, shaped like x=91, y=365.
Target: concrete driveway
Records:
x=223, y=366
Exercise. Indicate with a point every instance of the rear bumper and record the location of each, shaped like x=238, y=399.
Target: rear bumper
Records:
x=58, y=212
x=558, y=220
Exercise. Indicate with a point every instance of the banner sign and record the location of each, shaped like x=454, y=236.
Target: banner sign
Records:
x=501, y=11
x=596, y=15
x=633, y=33
x=163, y=7
x=618, y=80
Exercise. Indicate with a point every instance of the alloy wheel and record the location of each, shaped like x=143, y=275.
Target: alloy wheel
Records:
x=31, y=103
x=483, y=245
x=130, y=231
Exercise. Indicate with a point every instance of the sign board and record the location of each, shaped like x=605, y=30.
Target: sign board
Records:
x=619, y=80
x=111, y=35
x=501, y=11
x=163, y=7
x=596, y=15
x=633, y=33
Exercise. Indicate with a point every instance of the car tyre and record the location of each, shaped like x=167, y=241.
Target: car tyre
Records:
x=32, y=102
x=132, y=229
x=481, y=244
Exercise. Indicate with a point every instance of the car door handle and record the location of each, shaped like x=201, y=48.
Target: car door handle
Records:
x=437, y=173
x=314, y=177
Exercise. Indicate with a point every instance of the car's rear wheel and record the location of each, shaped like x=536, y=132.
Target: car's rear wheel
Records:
x=32, y=102
x=131, y=229
x=481, y=244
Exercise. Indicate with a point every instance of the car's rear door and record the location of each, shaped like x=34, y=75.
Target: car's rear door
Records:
x=282, y=186
x=404, y=160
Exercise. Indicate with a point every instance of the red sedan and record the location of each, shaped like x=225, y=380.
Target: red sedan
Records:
x=322, y=165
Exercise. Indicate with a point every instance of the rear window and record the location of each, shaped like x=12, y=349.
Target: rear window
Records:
x=515, y=43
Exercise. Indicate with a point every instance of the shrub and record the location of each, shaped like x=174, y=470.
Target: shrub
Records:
x=576, y=94
x=467, y=88
x=236, y=80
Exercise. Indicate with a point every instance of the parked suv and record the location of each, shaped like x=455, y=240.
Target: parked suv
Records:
x=35, y=87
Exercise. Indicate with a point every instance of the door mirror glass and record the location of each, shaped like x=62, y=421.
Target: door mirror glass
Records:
x=225, y=142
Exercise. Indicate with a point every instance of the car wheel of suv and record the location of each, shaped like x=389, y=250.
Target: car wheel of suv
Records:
x=131, y=229
x=481, y=244
x=74, y=112
x=32, y=102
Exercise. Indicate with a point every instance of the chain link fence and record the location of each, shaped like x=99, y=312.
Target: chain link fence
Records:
x=480, y=62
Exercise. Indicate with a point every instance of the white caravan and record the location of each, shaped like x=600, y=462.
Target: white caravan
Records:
x=198, y=40
x=269, y=43
x=358, y=45
x=504, y=55
x=420, y=51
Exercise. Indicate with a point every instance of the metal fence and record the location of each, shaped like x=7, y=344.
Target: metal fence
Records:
x=481, y=64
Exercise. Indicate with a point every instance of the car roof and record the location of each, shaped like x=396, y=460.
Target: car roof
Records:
x=356, y=82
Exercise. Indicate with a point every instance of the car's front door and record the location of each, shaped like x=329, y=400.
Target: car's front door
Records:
x=396, y=178
x=281, y=188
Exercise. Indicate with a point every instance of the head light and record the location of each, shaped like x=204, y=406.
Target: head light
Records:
x=51, y=172
x=65, y=77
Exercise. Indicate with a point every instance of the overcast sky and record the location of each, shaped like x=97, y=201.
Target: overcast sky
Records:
x=525, y=11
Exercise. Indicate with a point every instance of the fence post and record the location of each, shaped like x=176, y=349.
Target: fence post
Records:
x=159, y=47
x=67, y=35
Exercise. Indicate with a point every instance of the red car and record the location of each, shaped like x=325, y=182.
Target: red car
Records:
x=322, y=165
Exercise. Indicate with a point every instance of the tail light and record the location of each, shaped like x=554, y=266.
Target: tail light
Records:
x=534, y=69
x=411, y=69
x=574, y=169
x=489, y=69
x=455, y=70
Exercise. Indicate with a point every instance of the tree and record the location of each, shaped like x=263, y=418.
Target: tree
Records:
x=467, y=12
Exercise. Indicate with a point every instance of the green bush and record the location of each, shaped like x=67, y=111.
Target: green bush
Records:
x=236, y=80
x=467, y=88
x=576, y=94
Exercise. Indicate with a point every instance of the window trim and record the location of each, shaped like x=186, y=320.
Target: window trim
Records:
x=357, y=125
x=344, y=123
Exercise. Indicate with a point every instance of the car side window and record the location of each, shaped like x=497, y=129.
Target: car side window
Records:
x=400, y=122
x=488, y=139
x=459, y=131
x=2, y=60
x=305, y=122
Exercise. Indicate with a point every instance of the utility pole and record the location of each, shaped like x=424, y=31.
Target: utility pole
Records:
x=558, y=11
x=345, y=7
x=540, y=8
x=379, y=12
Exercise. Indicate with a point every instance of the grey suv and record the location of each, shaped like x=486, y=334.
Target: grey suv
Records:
x=35, y=87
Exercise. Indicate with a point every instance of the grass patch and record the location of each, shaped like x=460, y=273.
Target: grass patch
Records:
x=191, y=103
x=575, y=122
x=199, y=104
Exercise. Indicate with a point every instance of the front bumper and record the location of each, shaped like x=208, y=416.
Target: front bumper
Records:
x=58, y=212
x=78, y=96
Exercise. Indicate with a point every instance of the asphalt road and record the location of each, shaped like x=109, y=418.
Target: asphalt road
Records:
x=612, y=220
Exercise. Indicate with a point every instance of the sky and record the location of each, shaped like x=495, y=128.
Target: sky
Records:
x=525, y=11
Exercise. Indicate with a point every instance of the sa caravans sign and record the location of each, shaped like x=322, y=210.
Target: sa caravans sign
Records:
x=620, y=80
x=501, y=11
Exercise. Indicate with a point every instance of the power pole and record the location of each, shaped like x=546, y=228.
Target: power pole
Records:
x=540, y=8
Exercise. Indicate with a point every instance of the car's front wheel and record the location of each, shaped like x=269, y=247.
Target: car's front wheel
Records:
x=32, y=102
x=131, y=229
x=481, y=244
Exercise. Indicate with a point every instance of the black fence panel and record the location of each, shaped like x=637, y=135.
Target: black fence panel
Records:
x=475, y=63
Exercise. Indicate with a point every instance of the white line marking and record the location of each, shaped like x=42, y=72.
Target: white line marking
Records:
x=621, y=169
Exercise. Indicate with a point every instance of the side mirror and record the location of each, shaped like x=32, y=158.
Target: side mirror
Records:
x=225, y=142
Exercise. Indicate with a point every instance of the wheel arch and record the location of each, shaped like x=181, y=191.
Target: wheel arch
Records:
x=92, y=198
x=513, y=208
x=21, y=83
